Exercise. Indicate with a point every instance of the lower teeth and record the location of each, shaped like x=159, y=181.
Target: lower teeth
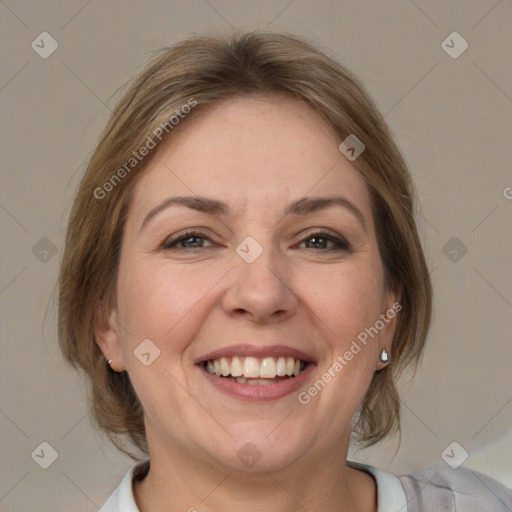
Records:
x=256, y=382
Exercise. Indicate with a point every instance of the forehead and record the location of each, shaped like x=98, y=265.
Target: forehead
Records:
x=252, y=152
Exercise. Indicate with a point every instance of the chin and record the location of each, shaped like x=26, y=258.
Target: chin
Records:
x=259, y=454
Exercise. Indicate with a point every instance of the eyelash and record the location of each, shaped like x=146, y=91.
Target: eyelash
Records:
x=340, y=243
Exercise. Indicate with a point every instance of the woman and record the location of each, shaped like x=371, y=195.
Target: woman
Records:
x=243, y=283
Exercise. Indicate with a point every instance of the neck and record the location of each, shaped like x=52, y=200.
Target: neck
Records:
x=178, y=481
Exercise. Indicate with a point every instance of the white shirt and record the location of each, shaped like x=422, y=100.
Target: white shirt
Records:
x=391, y=494
x=435, y=489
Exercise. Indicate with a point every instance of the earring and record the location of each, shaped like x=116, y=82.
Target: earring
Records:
x=384, y=356
x=109, y=361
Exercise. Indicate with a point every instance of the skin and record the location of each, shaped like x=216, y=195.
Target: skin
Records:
x=257, y=154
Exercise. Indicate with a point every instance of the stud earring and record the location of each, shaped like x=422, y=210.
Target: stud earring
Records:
x=384, y=357
x=109, y=361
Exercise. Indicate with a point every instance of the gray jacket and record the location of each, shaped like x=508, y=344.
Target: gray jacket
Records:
x=442, y=489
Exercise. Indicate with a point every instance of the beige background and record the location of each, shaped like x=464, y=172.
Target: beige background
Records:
x=452, y=118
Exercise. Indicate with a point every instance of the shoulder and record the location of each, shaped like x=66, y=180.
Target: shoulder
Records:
x=439, y=488
x=122, y=499
x=445, y=489
x=391, y=496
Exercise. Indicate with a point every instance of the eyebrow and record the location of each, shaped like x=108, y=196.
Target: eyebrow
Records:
x=210, y=206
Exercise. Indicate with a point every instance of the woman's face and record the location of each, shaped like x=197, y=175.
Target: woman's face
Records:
x=275, y=279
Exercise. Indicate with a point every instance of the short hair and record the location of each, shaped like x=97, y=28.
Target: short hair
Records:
x=202, y=71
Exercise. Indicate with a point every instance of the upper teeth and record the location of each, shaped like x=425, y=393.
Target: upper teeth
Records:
x=253, y=367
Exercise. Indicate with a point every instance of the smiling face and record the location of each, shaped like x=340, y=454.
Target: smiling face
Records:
x=276, y=274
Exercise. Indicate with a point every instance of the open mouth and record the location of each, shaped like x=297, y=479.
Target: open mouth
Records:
x=256, y=370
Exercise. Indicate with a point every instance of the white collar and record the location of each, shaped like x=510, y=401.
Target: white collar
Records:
x=122, y=499
x=390, y=492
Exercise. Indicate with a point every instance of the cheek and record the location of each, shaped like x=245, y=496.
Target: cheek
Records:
x=159, y=301
x=346, y=301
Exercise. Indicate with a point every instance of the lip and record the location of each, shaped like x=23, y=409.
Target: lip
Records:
x=250, y=393
x=256, y=351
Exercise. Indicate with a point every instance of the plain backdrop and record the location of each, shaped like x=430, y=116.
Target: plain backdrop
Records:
x=451, y=113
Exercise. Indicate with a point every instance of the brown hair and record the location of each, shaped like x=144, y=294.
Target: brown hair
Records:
x=207, y=70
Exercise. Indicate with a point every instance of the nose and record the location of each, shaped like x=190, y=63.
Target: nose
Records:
x=260, y=291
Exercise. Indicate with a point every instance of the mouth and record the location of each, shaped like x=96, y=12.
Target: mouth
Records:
x=256, y=373
x=259, y=371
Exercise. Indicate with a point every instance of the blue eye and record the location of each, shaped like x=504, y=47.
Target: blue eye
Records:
x=195, y=240
x=321, y=239
x=196, y=237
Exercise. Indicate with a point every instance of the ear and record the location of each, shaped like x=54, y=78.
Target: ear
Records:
x=106, y=334
x=390, y=309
